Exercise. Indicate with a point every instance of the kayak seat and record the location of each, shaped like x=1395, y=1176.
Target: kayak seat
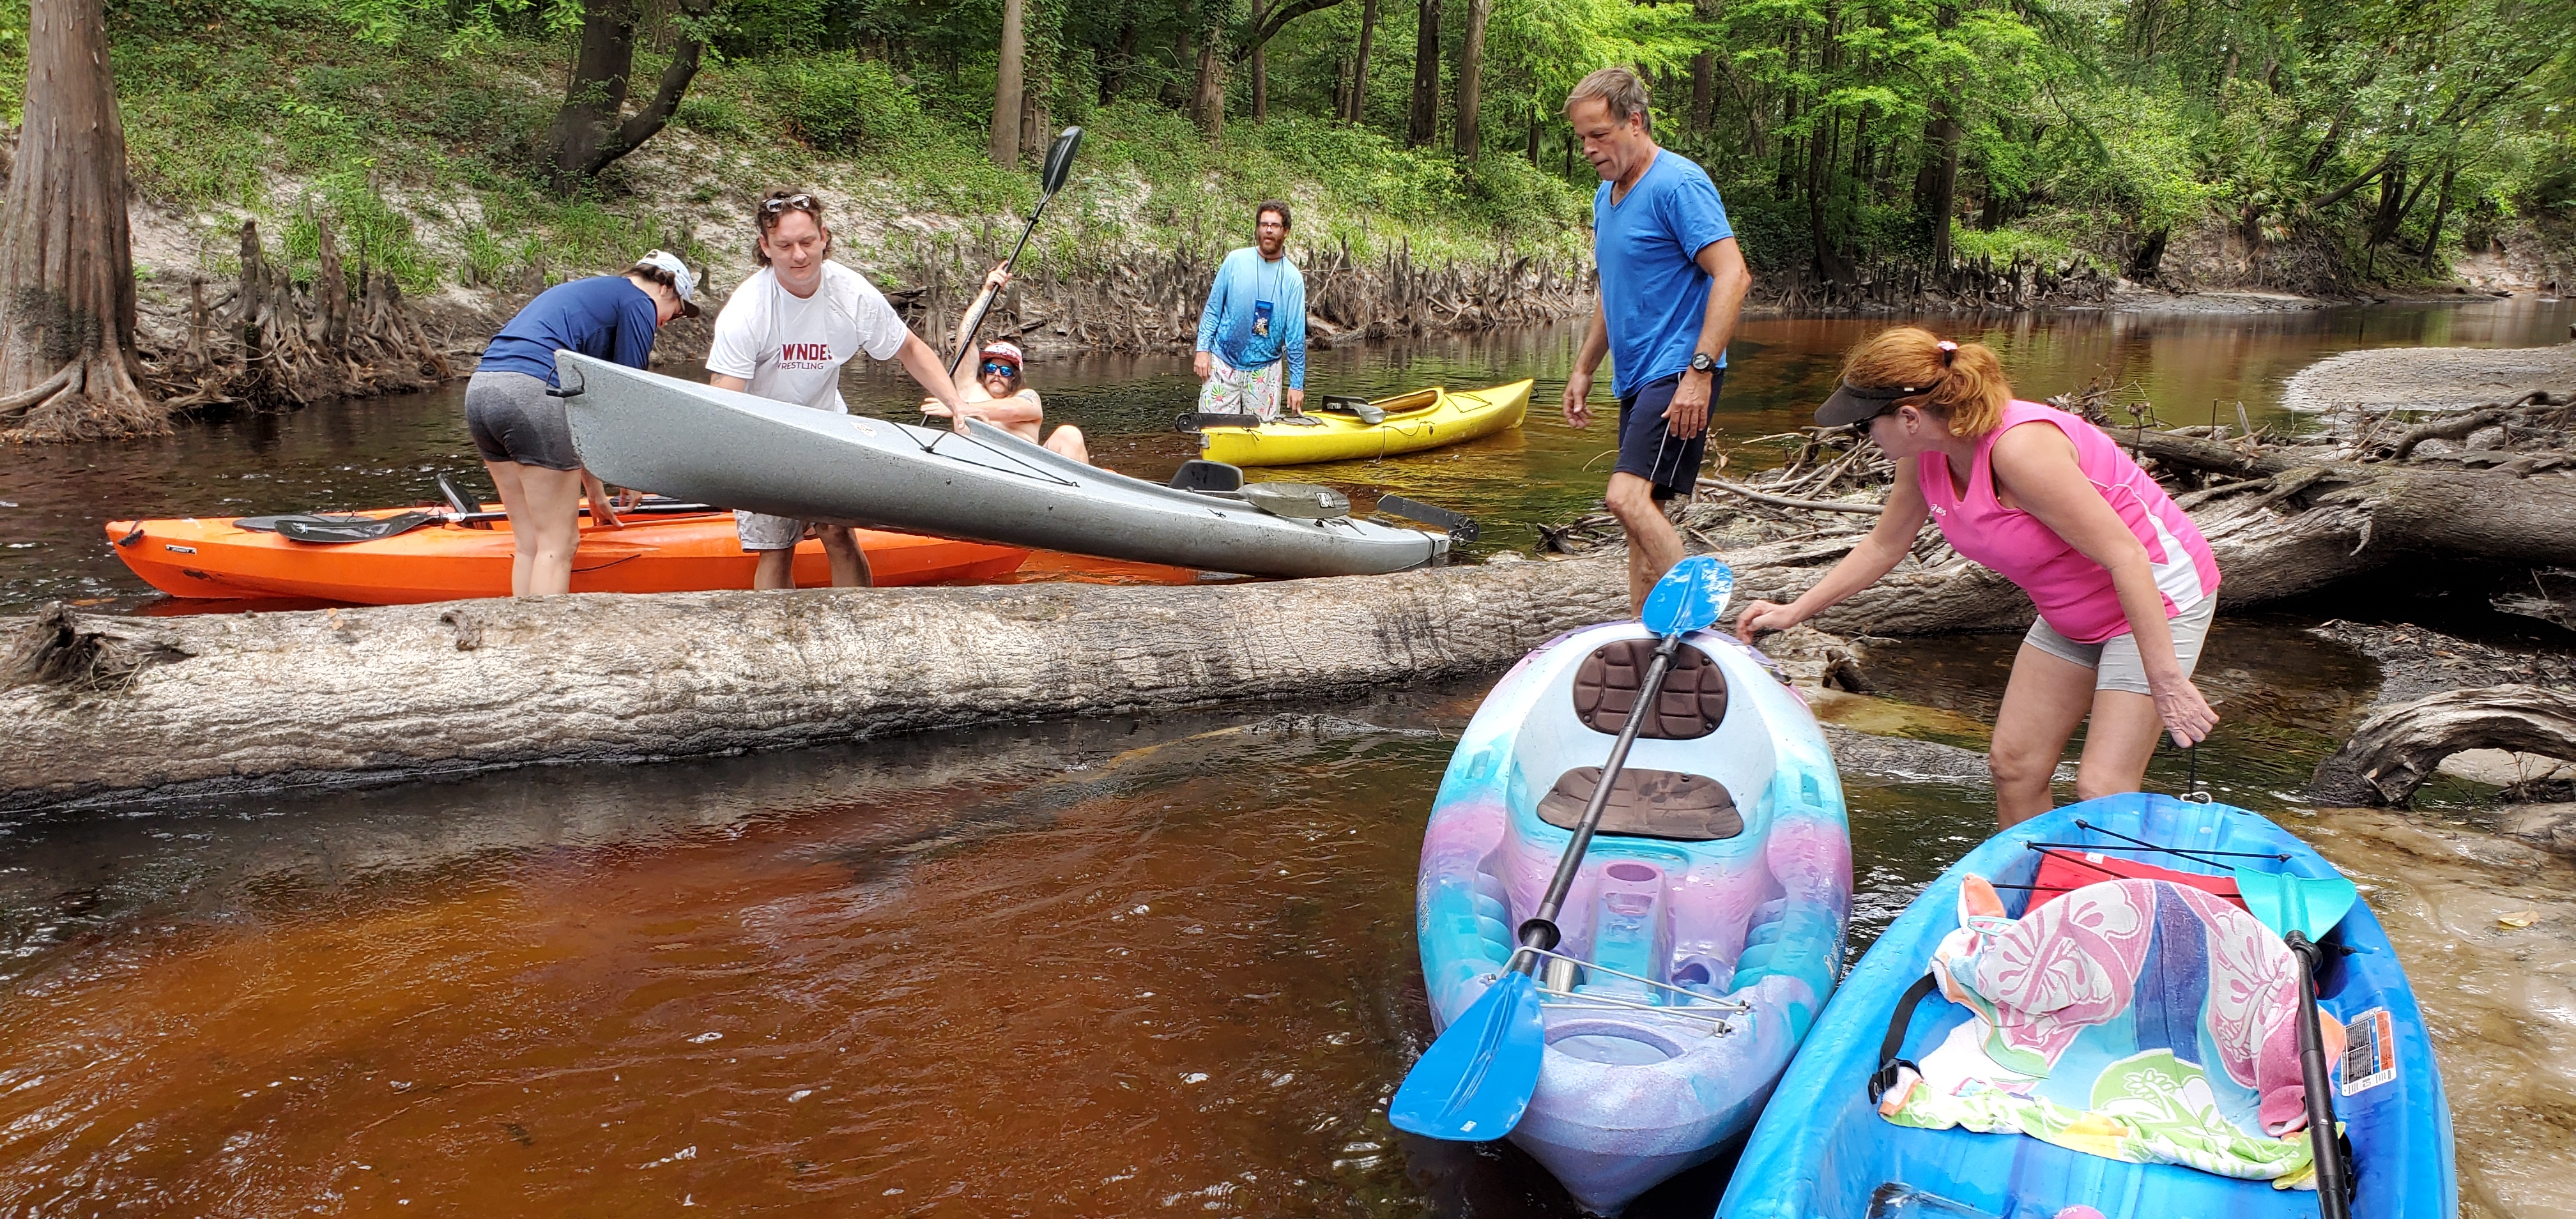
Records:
x=1646, y=804
x=1200, y=475
x=1691, y=705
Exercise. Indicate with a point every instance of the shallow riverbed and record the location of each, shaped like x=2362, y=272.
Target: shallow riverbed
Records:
x=1107, y=967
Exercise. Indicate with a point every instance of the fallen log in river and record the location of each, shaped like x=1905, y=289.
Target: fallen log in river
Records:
x=92, y=705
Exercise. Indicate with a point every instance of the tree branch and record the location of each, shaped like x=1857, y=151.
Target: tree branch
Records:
x=649, y=121
x=2345, y=191
x=1271, y=24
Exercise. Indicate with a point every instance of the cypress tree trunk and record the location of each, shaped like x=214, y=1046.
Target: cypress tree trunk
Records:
x=1471, y=78
x=1041, y=53
x=1005, y=146
x=1356, y=108
x=588, y=135
x=67, y=362
x=1207, y=102
x=1703, y=89
x=1426, y=74
x=1940, y=177
x=1260, y=69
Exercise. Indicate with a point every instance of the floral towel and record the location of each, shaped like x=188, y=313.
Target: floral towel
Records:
x=2138, y=1020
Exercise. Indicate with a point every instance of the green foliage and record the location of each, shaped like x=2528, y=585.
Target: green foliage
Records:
x=2081, y=127
x=838, y=102
x=2001, y=246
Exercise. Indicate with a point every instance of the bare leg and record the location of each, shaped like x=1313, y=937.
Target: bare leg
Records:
x=523, y=537
x=2046, y=698
x=1067, y=441
x=554, y=518
x=776, y=570
x=849, y=563
x=2117, y=743
x=1653, y=547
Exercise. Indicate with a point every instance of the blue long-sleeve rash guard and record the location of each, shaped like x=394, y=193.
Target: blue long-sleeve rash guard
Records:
x=1256, y=314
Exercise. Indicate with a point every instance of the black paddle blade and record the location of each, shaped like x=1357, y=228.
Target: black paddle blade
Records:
x=1462, y=528
x=333, y=530
x=1192, y=421
x=456, y=501
x=1059, y=161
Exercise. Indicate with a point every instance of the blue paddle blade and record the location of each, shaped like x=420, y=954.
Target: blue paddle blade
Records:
x=1690, y=597
x=1476, y=1079
x=2309, y=905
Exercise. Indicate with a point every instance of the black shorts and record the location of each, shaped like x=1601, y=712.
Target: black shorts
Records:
x=1647, y=447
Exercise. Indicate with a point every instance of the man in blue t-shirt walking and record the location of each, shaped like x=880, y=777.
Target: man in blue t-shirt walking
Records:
x=1254, y=325
x=1672, y=282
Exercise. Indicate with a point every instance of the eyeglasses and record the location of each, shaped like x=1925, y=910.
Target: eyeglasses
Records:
x=996, y=368
x=802, y=203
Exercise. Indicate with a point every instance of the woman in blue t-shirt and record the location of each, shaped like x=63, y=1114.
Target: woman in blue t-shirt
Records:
x=521, y=431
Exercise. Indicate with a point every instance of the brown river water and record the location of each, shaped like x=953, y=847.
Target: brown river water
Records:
x=1109, y=966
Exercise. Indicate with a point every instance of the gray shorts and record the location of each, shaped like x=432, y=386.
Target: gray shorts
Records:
x=2115, y=662
x=512, y=420
x=760, y=531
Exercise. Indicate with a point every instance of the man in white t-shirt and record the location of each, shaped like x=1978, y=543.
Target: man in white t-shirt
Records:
x=784, y=334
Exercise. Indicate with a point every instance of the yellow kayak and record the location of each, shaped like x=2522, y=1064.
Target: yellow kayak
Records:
x=1424, y=419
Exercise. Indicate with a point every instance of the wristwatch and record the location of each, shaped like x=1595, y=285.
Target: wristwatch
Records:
x=1703, y=362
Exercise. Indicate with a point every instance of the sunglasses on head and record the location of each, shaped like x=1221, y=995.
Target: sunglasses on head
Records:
x=996, y=368
x=802, y=203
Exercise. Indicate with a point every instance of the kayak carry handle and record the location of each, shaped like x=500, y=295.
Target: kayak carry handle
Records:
x=1891, y=1048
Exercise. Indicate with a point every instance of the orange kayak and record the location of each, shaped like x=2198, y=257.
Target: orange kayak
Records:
x=212, y=558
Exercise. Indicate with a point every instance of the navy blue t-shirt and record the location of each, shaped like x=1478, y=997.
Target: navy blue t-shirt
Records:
x=605, y=317
x=1653, y=293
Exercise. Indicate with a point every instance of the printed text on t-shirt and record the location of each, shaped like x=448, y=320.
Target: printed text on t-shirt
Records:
x=805, y=355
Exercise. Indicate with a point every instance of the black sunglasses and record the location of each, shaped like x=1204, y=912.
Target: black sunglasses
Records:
x=996, y=368
x=802, y=203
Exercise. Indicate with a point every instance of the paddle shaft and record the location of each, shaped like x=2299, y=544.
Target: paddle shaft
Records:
x=2334, y=1196
x=984, y=302
x=1540, y=931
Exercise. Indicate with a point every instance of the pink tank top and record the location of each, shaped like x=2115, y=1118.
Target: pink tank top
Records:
x=2073, y=593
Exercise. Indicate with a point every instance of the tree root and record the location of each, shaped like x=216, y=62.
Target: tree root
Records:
x=94, y=397
x=281, y=346
x=61, y=650
x=2396, y=750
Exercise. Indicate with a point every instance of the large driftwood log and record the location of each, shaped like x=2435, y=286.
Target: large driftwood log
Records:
x=102, y=704
x=2396, y=750
x=95, y=704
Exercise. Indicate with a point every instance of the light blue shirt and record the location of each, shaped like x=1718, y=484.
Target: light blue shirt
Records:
x=1653, y=293
x=1256, y=314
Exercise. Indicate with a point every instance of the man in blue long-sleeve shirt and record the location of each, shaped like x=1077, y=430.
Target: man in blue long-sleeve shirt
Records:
x=1254, y=326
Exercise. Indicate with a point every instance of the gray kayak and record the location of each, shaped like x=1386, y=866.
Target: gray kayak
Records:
x=680, y=438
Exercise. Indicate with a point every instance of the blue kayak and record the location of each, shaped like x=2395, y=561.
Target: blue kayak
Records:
x=1822, y=1149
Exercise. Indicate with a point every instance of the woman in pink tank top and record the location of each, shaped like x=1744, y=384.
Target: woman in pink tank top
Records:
x=2124, y=583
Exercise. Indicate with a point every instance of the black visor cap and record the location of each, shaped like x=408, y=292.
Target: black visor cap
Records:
x=1861, y=403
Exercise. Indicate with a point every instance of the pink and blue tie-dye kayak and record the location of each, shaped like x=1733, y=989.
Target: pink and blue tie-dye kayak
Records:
x=1705, y=931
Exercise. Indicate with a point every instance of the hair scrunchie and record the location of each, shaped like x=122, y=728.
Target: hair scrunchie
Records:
x=1949, y=351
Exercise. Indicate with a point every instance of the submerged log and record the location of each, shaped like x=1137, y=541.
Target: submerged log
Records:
x=2396, y=750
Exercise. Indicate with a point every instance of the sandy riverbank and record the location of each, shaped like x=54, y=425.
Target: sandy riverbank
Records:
x=2431, y=378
